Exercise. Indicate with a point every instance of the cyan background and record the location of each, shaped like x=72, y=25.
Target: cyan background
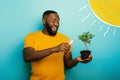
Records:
x=19, y=17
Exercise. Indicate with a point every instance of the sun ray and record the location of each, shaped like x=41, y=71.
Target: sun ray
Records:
x=83, y=7
x=100, y=28
x=85, y=17
x=106, y=31
x=114, y=31
x=93, y=22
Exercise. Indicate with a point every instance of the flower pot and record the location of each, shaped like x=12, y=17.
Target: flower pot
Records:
x=85, y=53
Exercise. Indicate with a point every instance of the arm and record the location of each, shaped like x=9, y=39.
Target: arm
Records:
x=69, y=62
x=31, y=55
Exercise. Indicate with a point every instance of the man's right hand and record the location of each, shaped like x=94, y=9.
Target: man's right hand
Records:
x=64, y=47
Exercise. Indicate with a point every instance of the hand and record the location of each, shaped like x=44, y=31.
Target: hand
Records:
x=64, y=47
x=85, y=60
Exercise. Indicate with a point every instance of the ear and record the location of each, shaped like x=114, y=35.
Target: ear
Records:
x=44, y=20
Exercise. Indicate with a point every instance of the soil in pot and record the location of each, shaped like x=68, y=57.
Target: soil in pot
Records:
x=85, y=53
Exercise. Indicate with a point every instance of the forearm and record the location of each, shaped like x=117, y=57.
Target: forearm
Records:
x=71, y=63
x=31, y=55
x=68, y=61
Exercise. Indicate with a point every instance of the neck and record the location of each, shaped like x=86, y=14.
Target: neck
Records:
x=45, y=32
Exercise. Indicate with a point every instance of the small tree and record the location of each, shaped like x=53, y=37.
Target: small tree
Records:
x=86, y=38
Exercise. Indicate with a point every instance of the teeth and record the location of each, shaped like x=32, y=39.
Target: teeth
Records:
x=54, y=28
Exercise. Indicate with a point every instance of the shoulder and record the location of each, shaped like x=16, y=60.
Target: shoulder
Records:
x=61, y=35
x=33, y=34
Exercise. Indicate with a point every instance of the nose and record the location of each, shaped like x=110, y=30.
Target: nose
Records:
x=56, y=24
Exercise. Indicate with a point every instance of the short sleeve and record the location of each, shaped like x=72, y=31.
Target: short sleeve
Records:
x=28, y=41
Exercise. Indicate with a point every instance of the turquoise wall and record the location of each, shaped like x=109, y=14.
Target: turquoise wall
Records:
x=19, y=17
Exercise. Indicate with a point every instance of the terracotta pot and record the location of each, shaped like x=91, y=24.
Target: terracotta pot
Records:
x=85, y=53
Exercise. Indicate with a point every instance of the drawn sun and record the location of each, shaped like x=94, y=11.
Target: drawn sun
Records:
x=108, y=11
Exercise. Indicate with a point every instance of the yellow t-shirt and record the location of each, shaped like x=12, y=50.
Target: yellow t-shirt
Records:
x=52, y=66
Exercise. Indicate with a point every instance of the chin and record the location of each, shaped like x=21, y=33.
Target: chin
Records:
x=53, y=33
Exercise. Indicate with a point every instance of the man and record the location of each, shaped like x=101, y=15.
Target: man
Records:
x=49, y=50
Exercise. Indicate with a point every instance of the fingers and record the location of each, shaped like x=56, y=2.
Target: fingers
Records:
x=64, y=47
x=86, y=60
x=90, y=56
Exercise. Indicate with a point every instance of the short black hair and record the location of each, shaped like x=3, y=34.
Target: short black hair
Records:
x=48, y=12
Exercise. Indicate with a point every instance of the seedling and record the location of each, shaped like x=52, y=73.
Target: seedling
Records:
x=86, y=39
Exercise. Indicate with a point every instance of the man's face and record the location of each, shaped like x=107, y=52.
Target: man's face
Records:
x=52, y=24
x=51, y=30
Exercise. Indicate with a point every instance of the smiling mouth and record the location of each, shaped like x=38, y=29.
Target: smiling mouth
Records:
x=54, y=29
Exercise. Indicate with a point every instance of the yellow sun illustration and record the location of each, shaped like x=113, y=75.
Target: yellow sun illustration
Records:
x=107, y=11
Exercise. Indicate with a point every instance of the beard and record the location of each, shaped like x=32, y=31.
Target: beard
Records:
x=50, y=31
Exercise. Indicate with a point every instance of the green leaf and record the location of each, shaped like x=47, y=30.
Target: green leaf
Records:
x=86, y=37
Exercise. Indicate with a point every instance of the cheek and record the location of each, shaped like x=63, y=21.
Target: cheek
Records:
x=49, y=22
x=58, y=24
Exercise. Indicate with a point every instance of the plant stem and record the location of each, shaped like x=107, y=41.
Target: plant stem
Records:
x=86, y=45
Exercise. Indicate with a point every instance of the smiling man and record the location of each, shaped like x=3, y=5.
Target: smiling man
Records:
x=49, y=50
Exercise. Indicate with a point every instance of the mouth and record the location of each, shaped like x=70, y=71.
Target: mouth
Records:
x=54, y=29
